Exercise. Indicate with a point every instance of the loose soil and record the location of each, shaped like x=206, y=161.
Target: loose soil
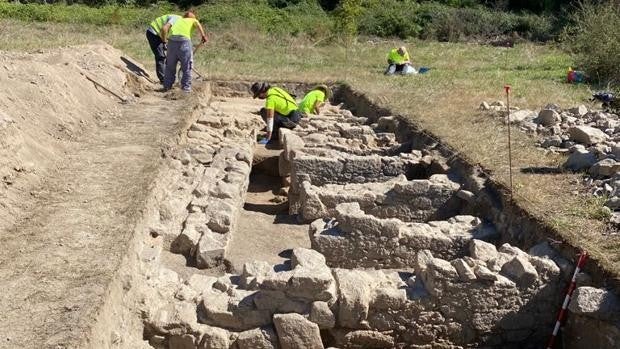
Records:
x=72, y=228
x=266, y=231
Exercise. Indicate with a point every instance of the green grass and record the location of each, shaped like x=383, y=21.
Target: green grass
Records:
x=444, y=101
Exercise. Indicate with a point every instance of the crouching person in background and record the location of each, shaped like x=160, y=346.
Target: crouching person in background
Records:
x=399, y=62
x=314, y=100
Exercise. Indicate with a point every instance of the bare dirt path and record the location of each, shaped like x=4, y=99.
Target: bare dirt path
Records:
x=265, y=230
x=58, y=259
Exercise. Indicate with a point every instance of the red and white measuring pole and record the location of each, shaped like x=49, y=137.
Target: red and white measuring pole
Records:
x=580, y=263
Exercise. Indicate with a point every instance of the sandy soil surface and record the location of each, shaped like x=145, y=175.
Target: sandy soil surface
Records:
x=68, y=214
x=265, y=230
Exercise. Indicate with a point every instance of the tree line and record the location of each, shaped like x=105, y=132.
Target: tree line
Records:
x=533, y=6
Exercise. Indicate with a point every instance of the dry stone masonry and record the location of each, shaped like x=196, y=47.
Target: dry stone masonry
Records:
x=208, y=187
x=397, y=259
x=355, y=239
x=416, y=200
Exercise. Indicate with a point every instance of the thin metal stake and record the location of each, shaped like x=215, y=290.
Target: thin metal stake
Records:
x=507, y=89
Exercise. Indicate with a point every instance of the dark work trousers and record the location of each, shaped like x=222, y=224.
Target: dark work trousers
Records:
x=157, y=46
x=287, y=121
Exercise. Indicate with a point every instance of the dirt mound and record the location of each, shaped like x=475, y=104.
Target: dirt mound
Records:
x=47, y=99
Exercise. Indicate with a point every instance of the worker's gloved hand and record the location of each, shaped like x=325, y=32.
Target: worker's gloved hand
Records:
x=263, y=141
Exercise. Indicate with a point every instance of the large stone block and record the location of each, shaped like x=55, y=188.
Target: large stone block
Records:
x=254, y=273
x=294, y=332
x=213, y=338
x=311, y=284
x=258, y=338
x=354, y=297
x=595, y=303
x=322, y=315
x=211, y=249
x=587, y=135
x=368, y=340
x=520, y=270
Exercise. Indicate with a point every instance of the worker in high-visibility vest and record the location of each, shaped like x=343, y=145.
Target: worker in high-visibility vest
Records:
x=154, y=37
x=280, y=109
x=314, y=100
x=399, y=62
x=178, y=37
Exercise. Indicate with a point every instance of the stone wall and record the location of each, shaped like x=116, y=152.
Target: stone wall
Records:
x=491, y=298
x=207, y=189
x=417, y=200
x=441, y=281
x=356, y=239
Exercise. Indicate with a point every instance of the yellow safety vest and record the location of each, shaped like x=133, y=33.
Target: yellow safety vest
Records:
x=396, y=58
x=183, y=27
x=280, y=101
x=159, y=23
x=307, y=104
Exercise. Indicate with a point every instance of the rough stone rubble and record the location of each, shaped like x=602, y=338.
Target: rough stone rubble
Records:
x=394, y=262
x=497, y=297
x=355, y=239
x=590, y=138
x=207, y=189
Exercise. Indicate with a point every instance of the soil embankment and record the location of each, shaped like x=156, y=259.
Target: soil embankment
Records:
x=77, y=166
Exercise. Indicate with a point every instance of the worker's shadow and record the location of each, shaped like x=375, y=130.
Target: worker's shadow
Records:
x=542, y=170
x=134, y=68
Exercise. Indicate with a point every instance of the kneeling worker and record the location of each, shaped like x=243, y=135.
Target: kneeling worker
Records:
x=399, y=62
x=314, y=100
x=280, y=108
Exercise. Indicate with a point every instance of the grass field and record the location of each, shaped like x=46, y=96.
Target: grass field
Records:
x=444, y=101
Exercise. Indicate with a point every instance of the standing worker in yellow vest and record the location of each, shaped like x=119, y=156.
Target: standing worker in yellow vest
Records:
x=399, y=62
x=154, y=37
x=280, y=108
x=314, y=100
x=178, y=36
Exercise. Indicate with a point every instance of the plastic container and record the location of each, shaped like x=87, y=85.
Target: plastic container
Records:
x=575, y=76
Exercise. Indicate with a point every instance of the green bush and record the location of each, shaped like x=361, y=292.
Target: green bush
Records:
x=383, y=18
x=454, y=24
x=390, y=18
x=302, y=18
x=434, y=20
x=82, y=14
x=594, y=39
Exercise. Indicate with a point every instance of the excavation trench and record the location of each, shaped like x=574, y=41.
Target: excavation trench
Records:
x=352, y=233
x=265, y=230
x=358, y=231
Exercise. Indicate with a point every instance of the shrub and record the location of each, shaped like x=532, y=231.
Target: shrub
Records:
x=453, y=24
x=390, y=18
x=303, y=18
x=594, y=39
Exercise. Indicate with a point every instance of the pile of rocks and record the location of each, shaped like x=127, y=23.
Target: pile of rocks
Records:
x=591, y=138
